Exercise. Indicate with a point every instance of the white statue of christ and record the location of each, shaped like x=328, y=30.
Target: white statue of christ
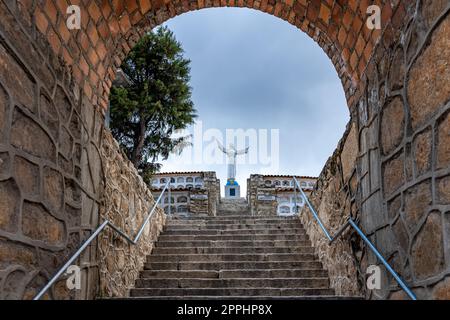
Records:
x=231, y=153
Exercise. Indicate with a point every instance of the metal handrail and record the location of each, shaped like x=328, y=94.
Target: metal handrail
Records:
x=353, y=223
x=105, y=224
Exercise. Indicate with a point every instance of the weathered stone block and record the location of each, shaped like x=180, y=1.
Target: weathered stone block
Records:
x=431, y=10
x=86, y=177
x=98, y=127
x=13, y=284
x=349, y=153
x=72, y=191
x=422, y=152
x=392, y=125
x=414, y=39
x=73, y=216
x=4, y=107
x=14, y=253
x=9, y=204
x=365, y=186
x=5, y=165
x=77, y=151
x=62, y=103
x=394, y=207
x=375, y=168
x=49, y=116
x=427, y=250
x=385, y=241
x=39, y=224
x=429, y=77
x=417, y=201
x=409, y=165
x=27, y=135
x=443, y=190
x=61, y=292
x=397, y=72
x=53, y=189
x=441, y=291
x=401, y=234
x=393, y=174
x=27, y=176
x=88, y=115
x=364, y=163
x=21, y=86
x=75, y=126
x=66, y=166
x=399, y=295
x=443, y=143
x=95, y=164
x=88, y=208
x=65, y=143
x=372, y=213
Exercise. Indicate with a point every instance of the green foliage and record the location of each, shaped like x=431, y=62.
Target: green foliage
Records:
x=147, y=112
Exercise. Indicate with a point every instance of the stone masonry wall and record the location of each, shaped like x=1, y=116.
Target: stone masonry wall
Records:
x=261, y=199
x=202, y=199
x=50, y=168
x=199, y=202
x=334, y=201
x=126, y=202
x=404, y=157
x=212, y=184
x=52, y=177
x=398, y=185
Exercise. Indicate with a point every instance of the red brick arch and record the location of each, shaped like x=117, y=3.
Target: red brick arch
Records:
x=111, y=28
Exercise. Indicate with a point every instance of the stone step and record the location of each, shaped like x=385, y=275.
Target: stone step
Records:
x=233, y=283
x=212, y=250
x=274, y=273
x=241, y=212
x=232, y=243
x=240, y=220
x=233, y=255
x=224, y=274
x=235, y=265
x=282, y=226
x=228, y=217
x=210, y=232
x=230, y=257
x=185, y=292
x=241, y=237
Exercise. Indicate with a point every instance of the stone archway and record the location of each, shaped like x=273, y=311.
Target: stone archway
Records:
x=391, y=168
x=111, y=28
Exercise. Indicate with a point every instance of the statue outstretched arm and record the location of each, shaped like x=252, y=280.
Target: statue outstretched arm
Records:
x=221, y=147
x=243, y=151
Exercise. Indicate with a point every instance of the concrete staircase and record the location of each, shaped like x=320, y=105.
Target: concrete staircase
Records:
x=233, y=256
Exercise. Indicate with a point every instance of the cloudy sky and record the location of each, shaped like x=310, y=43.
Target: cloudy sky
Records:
x=256, y=72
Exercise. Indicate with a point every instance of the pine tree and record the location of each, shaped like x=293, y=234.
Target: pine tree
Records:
x=156, y=103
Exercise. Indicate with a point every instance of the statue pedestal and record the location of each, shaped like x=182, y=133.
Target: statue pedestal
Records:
x=232, y=190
